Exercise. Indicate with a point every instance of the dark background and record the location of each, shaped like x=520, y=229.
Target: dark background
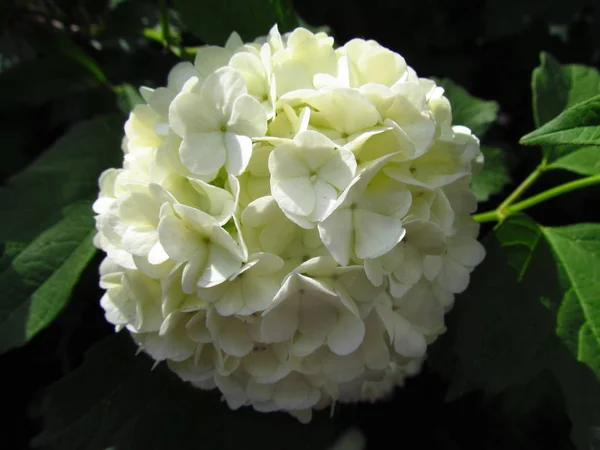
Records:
x=489, y=47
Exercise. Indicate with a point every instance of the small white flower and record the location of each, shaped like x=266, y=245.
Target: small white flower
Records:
x=307, y=175
x=194, y=238
x=216, y=119
x=366, y=221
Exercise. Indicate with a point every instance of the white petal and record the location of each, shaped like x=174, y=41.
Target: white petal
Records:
x=222, y=89
x=336, y=233
x=259, y=292
x=305, y=344
x=344, y=368
x=220, y=265
x=453, y=276
x=203, y=153
x=375, y=234
x=178, y=241
x=347, y=335
x=189, y=114
x=157, y=254
x=209, y=58
x=234, y=338
x=239, y=151
x=467, y=252
x=316, y=316
x=264, y=366
x=339, y=169
x=432, y=265
x=192, y=270
x=284, y=163
x=281, y=323
x=408, y=341
x=232, y=300
x=294, y=195
x=179, y=74
x=248, y=117
x=325, y=197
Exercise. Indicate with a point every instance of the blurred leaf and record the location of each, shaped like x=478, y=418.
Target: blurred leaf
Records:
x=520, y=310
x=213, y=22
x=47, y=227
x=128, y=18
x=581, y=391
x=42, y=80
x=467, y=110
x=508, y=17
x=36, y=285
x=578, y=125
x=494, y=175
x=128, y=97
x=115, y=399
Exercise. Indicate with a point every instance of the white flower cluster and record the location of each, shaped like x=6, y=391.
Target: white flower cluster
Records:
x=291, y=221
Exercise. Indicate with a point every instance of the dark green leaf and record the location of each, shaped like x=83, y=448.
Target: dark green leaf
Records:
x=578, y=125
x=581, y=391
x=576, y=250
x=36, y=285
x=47, y=227
x=36, y=198
x=467, y=110
x=500, y=331
x=521, y=313
x=494, y=175
x=116, y=399
x=213, y=22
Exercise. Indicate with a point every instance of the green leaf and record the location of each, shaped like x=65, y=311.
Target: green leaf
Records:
x=36, y=285
x=213, y=22
x=576, y=249
x=525, y=313
x=494, y=175
x=47, y=227
x=578, y=125
x=556, y=88
x=550, y=90
x=467, y=110
x=584, y=161
x=36, y=198
x=116, y=399
x=583, y=83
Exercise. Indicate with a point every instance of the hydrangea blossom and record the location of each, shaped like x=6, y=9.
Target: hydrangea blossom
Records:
x=291, y=221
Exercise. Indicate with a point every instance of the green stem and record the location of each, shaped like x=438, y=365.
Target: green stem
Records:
x=554, y=192
x=164, y=22
x=496, y=216
x=533, y=176
x=489, y=216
